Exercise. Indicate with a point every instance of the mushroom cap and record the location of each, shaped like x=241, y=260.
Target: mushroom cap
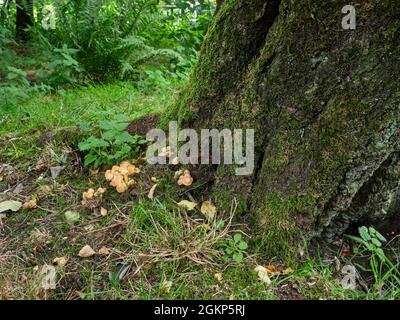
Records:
x=101, y=190
x=122, y=187
x=109, y=175
x=88, y=194
x=118, y=179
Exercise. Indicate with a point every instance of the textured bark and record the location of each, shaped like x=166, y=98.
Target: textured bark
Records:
x=24, y=19
x=219, y=5
x=325, y=103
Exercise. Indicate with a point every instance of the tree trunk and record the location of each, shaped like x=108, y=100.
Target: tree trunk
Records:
x=24, y=19
x=219, y=4
x=325, y=104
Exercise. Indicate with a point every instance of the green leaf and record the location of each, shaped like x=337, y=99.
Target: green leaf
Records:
x=369, y=246
x=237, y=237
x=92, y=143
x=85, y=127
x=363, y=231
x=124, y=137
x=220, y=224
x=97, y=163
x=122, y=153
x=242, y=245
x=110, y=135
x=356, y=239
x=376, y=242
x=72, y=216
x=238, y=257
x=380, y=236
x=380, y=252
x=109, y=125
x=90, y=158
x=120, y=117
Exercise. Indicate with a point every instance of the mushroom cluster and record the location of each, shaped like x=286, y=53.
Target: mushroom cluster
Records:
x=91, y=198
x=185, y=179
x=168, y=152
x=119, y=176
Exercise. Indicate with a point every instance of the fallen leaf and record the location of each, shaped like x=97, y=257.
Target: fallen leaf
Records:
x=31, y=204
x=86, y=252
x=56, y=171
x=218, y=277
x=103, y=212
x=271, y=269
x=166, y=286
x=60, y=261
x=72, y=216
x=263, y=274
x=188, y=205
x=48, y=276
x=151, y=192
x=10, y=205
x=209, y=210
x=104, y=251
x=43, y=190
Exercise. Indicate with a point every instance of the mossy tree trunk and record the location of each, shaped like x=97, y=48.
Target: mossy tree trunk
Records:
x=325, y=104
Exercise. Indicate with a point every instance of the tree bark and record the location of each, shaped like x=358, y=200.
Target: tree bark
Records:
x=325, y=105
x=219, y=4
x=24, y=19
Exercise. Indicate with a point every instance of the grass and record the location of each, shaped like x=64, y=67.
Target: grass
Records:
x=156, y=250
x=80, y=105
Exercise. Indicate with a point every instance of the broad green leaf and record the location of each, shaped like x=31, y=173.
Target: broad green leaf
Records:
x=122, y=153
x=124, y=137
x=10, y=205
x=92, y=143
x=242, y=245
x=238, y=257
x=109, y=125
x=90, y=158
x=237, y=237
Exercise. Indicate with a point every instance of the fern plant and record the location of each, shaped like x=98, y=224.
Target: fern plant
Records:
x=109, y=34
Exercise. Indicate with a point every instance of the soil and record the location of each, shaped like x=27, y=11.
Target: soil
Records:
x=143, y=125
